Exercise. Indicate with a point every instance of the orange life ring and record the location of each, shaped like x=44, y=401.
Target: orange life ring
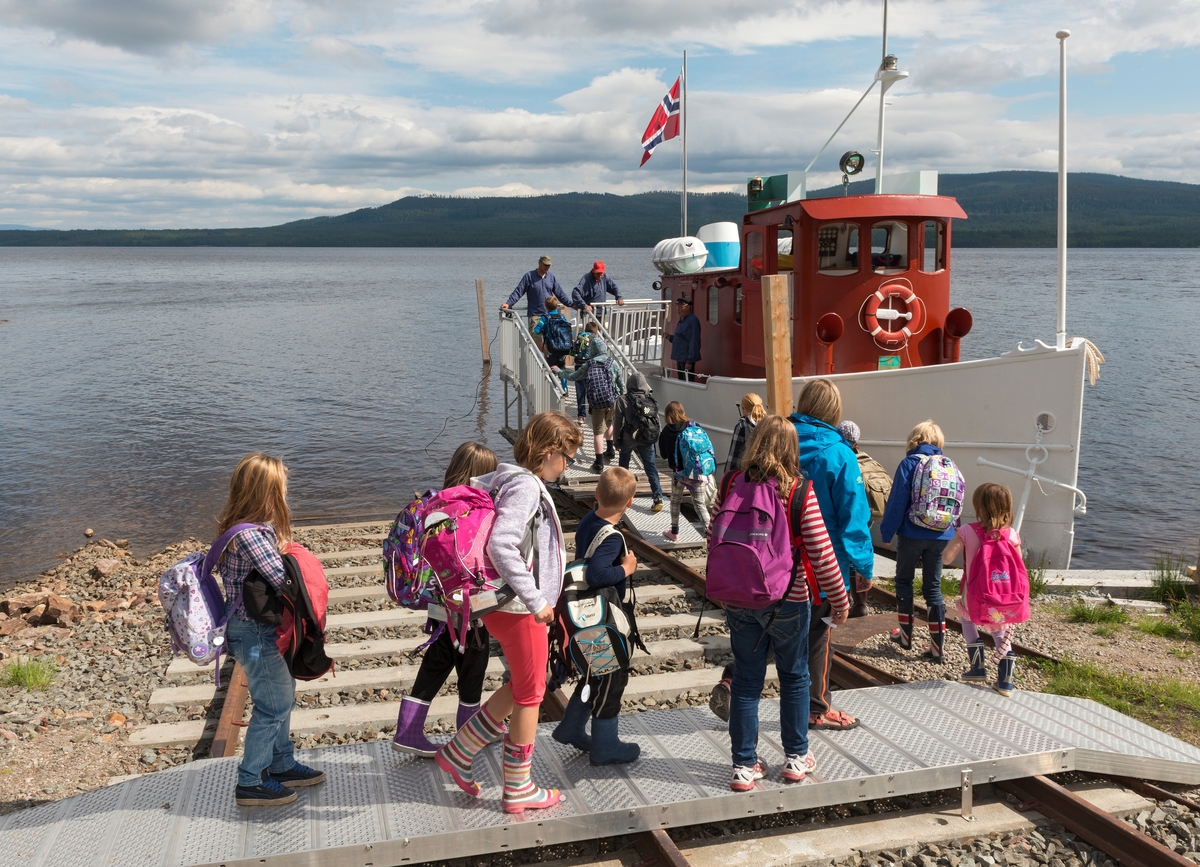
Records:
x=913, y=316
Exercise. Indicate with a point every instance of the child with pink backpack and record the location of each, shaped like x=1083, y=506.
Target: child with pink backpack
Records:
x=995, y=584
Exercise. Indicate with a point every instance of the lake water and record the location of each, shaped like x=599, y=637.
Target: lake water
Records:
x=134, y=379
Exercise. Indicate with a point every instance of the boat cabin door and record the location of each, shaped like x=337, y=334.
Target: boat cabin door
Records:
x=753, y=263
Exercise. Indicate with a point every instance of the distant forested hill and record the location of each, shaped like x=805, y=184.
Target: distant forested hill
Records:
x=1006, y=209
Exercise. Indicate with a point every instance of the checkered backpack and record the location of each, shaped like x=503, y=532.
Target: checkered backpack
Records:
x=938, y=491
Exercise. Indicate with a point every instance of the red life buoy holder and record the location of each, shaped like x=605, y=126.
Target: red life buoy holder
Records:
x=911, y=321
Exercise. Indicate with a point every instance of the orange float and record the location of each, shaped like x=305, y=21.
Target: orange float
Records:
x=913, y=316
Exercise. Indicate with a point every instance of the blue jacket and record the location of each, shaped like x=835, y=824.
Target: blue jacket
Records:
x=589, y=291
x=536, y=287
x=895, y=516
x=685, y=342
x=604, y=569
x=837, y=481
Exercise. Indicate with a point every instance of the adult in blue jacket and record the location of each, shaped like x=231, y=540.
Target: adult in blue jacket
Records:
x=832, y=466
x=593, y=287
x=914, y=542
x=536, y=285
x=685, y=342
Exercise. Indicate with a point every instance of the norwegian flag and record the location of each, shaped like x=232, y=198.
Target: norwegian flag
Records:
x=665, y=123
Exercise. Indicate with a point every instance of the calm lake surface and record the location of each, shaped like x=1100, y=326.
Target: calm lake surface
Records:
x=132, y=380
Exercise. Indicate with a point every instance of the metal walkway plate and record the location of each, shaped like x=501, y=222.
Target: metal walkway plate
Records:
x=378, y=808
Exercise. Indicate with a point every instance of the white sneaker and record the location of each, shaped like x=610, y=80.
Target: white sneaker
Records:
x=796, y=768
x=743, y=779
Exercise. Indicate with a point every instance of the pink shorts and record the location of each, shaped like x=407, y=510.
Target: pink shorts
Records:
x=526, y=646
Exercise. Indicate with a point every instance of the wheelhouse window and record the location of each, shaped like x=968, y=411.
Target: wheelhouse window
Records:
x=784, y=260
x=713, y=304
x=934, y=258
x=837, y=249
x=889, y=247
x=754, y=255
x=737, y=304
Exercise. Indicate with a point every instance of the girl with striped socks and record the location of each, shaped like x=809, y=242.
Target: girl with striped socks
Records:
x=532, y=565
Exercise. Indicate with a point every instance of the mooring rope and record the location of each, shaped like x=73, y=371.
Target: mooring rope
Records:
x=1094, y=356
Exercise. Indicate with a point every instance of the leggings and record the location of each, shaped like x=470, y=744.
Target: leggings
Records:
x=526, y=646
x=441, y=658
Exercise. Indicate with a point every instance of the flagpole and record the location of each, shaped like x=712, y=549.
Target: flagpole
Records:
x=683, y=125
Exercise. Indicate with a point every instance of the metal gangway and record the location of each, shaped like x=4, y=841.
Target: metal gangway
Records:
x=378, y=808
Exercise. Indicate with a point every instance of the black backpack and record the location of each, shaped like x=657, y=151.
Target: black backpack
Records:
x=559, y=335
x=641, y=416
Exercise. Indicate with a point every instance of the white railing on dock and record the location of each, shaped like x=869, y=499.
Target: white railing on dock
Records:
x=634, y=329
x=524, y=366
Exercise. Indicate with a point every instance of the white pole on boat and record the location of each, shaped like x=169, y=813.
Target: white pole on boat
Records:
x=887, y=75
x=1061, y=336
x=683, y=132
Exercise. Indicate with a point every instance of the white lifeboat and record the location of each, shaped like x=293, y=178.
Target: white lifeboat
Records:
x=680, y=255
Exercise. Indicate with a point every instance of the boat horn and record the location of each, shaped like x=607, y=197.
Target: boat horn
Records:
x=830, y=328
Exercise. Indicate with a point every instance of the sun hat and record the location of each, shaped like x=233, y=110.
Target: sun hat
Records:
x=544, y=260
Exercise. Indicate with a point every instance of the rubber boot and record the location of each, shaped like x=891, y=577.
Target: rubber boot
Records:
x=572, y=730
x=607, y=746
x=859, y=608
x=904, y=613
x=1004, y=674
x=520, y=794
x=465, y=712
x=457, y=756
x=977, y=673
x=410, y=729
x=937, y=634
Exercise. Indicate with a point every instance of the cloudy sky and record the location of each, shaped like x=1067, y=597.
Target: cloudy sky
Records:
x=179, y=113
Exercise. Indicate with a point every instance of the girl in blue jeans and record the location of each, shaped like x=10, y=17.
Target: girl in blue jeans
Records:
x=258, y=495
x=772, y=457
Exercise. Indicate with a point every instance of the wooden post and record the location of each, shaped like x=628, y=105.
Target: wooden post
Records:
x=483, y=329
x=777, y=344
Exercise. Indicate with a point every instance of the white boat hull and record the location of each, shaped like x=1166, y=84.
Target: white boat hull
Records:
x=986, y=408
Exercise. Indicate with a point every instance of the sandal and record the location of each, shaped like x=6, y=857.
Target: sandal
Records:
x=834, y=720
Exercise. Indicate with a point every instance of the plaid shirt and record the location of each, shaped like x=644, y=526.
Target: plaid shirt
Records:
x=737, y=445
x=250, y=550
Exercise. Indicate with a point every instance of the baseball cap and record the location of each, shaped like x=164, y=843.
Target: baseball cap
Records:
x=598, y=267
x=544, y=260
x=683, y=299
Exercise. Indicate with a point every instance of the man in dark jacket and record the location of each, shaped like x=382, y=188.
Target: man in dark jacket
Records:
x=637, y=391
x=593, y=286
x=685, y=342
x=535, y=286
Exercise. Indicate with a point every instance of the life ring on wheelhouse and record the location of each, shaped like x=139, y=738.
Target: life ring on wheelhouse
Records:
x=880, y=322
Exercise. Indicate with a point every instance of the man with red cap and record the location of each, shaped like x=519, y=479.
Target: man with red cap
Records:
x=592, y=288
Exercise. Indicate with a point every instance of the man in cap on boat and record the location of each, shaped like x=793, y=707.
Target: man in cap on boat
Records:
x=685, y=342
x=536, y=285
x=592, y=288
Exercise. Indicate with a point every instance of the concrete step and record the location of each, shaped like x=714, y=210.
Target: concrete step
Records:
x=343, y=651
x=354, y=525
x=370, y=592
x=380, y=715
x=346, y=555
x=399, y=677
x=375, y=569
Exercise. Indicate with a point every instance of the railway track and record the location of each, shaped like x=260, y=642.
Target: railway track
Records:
x=1105, y=833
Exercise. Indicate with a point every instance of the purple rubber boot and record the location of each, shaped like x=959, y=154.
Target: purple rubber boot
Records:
x=410, y=729
x=465, y=712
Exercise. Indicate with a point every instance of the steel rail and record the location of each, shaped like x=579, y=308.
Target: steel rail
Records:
x=1158, y=793
x=657, y=847
x=225, y=742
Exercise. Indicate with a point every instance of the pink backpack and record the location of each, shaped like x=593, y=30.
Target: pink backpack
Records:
x=457, y=528
x=997, y=584
x=750, y=544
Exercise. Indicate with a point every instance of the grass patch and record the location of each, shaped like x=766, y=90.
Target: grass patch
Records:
x=1181, y=653
x=1160, y=626
x=1189, y=620
x=1105, y=631
x=1170, y=585
x=28, y=674
x=1036, y=572
x=1080, y=612
x=951, y=587
x=1171, y=705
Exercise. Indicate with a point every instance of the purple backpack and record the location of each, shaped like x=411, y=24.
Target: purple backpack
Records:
x=406, y=575
x=194, y=604
x=750, y=561
x=997, y=588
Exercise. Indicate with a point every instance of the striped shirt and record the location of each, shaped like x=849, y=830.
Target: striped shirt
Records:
x=250, y=550
x=815, y=539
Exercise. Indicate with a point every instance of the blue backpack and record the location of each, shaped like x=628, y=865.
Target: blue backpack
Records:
x=560, y=337
x=694, y=453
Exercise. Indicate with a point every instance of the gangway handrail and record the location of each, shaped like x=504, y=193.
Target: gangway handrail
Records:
x=635, y=328
x=523, y=364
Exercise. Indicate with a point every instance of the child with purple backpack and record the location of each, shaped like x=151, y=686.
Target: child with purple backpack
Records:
x=468, y=461
x=995, y=584
x=761, y=577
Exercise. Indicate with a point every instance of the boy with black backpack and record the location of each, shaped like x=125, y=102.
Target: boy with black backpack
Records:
x=637, y=428
x=609, y=565
x=603, y=385
x=557, y=335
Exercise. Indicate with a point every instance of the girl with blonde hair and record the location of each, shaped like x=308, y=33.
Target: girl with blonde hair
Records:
x=527, y=549
x=268, y=770
x=751, y=412
x=684, y=480
x=772, y=459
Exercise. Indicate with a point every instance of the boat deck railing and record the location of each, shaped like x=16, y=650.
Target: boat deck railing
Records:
x=634, y=330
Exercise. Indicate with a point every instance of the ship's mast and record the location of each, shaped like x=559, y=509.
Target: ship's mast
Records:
x=1061, y=335
x=683, y=132
x=887, y=75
